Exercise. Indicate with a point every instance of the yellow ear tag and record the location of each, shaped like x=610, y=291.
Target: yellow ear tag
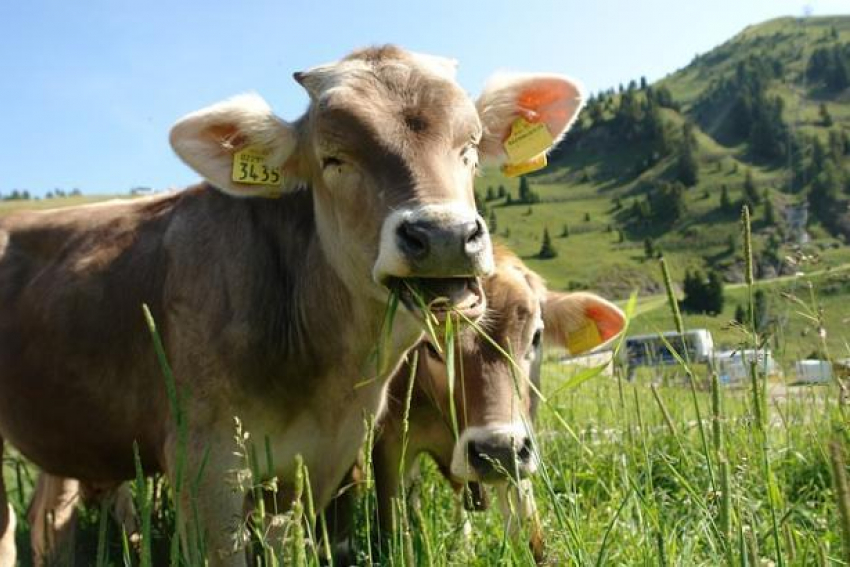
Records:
x=517, y=169
x=250, y=167
x=527, y=140
x=585, y=338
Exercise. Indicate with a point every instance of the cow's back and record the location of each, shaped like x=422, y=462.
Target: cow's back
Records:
x=75, y=358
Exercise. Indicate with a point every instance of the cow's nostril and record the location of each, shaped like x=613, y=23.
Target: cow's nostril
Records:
x=524, y=453
x=413, y=240
x=474, y=230
x=474, y=236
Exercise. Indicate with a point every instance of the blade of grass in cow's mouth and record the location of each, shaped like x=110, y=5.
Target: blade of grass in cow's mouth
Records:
x=441, y=295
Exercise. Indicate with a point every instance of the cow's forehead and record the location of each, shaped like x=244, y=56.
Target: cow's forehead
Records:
x=389, y=84
x=377, y=62
x=510, y=291
x=514, y=295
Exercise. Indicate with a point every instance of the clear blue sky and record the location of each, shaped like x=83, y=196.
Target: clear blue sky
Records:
x=89, y=89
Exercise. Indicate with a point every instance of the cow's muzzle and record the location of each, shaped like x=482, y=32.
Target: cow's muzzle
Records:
x=494, y=454
x=433, y=255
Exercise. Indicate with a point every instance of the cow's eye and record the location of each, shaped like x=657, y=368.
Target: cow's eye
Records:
x=469, y=154
x=432, y=352
x=331, y=161
x=535, y=340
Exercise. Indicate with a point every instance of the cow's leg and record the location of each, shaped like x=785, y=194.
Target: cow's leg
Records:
x=8, y=554
x=124, y=512
x=52, y=517
x=118, y=499
x=212, y=520
x=516, y=500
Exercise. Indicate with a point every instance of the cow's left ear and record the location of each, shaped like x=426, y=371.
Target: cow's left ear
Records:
x=239, y=145
x=580, y=321
x=553, y=100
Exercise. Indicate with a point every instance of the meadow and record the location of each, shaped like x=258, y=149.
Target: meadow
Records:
x=672, y=469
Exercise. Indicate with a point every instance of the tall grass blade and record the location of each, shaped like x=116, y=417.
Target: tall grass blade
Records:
x=143, y=505
x=842, y=493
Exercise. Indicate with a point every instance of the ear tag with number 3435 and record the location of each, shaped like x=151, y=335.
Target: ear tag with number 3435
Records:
x=251, y=167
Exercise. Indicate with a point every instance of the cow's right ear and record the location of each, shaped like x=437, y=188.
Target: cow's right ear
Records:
x=209, y=140
x=551, y=100
x=580, y=321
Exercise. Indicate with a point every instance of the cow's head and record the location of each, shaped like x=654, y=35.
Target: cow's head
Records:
x=389, y=146
x=494, y=400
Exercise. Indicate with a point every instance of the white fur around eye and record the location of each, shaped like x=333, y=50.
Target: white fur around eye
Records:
x=535, y=341
x=340, y=174
x=470, y=156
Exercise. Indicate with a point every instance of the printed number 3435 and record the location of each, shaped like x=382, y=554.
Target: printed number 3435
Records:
x=258, y=173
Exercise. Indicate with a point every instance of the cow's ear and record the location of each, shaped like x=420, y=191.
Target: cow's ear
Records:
x=239, y=145
x=580, y=321
x=551, y=100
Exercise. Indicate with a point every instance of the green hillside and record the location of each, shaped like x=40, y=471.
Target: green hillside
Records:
x=750, y=106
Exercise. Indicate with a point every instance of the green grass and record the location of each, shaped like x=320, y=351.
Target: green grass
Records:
x=628, y=483
x=8, y=207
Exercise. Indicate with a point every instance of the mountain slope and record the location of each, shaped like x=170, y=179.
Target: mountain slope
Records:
x=755, y=106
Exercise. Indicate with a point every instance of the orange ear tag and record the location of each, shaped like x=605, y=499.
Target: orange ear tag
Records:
x=526, y=147
x=251, y=167
x=585, y=338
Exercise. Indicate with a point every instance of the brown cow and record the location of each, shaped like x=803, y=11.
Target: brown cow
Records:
x=269, y=309
x=495, y=400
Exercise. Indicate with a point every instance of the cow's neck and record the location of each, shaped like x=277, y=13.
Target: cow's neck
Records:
x=312, y=318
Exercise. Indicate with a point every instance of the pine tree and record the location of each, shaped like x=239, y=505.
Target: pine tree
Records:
x=769, y=212
x=636, y=211
x=694, y=289
x=586, y=217
x=501, y=192
x=492, y=222
x=741, y=314
x=643, y=83
x=751, y=194
x=649, y=247
x=526, y=195
x=825, y=117
x=725, y=202
x=687, y=167
x=547, y=250
x=565, y=231
x=714, y=294
x=524, y=189
x=689, y=288
x=491, y=195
